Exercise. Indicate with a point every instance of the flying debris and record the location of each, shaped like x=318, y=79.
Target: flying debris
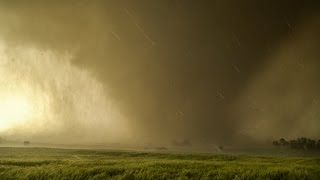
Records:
x=235, y=37
x=172, y=84
x=288, y=24
x=221, y=95
x=301, y=65
x=235, y=67
x=257, y=109
x=180, y=112
x=115, y=35
x=290, y=34
x=133, y=20
x=219, y=149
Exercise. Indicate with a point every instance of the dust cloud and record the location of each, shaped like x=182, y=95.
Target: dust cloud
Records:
x=67, y=103
x=283, y=98
x=157, y=72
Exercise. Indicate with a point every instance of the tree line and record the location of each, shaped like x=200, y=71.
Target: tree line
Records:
x=299, y=143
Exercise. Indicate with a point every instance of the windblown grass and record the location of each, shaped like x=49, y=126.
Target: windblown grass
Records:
x=42, y=163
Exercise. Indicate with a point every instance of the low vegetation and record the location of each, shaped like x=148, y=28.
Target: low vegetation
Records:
x=41, y=163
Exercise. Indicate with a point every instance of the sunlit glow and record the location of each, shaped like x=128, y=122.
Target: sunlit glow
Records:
x=45, y=97
x=14, y=110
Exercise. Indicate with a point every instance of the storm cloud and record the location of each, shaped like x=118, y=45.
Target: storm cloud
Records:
x=206, y=71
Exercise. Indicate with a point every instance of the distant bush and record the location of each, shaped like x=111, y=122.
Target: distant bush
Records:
x=26, y=143
x=184, y=143
x=299, y=143
x=161, y=148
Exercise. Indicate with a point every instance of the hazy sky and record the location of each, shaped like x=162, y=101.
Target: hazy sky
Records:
x=146, y=71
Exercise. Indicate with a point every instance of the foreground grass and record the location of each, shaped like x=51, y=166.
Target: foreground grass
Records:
x=42, y=163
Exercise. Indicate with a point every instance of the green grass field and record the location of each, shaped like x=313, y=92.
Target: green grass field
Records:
x=44, y=163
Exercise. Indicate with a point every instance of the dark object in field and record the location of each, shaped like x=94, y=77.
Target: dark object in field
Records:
x=26, y=143
x=161, y=148
x=184, y=143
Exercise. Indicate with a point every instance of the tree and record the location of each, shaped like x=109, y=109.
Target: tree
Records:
x=306, y=143
x=276, y=143
x=302, y=142
x=294, y=144
x=283, y=142
x=311, y=144
x=299, y=143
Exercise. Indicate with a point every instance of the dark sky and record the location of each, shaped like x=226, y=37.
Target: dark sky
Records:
x=209, y=71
